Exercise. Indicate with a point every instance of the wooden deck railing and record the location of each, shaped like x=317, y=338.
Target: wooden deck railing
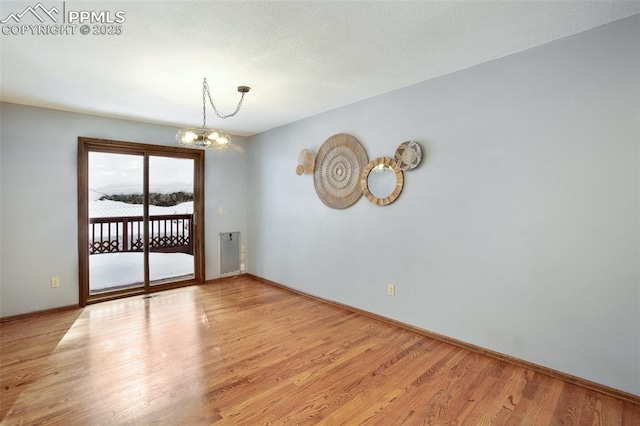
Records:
x=169, y=234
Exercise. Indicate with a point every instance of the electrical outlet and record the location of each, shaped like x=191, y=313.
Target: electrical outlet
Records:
x=242, y=266
x=391, y=289
x=220, y=210
x=55, y=282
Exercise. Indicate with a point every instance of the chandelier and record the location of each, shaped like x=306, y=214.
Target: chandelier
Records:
x=206, y=137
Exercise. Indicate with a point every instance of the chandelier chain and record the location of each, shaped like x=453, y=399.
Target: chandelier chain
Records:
x=205, y=94
x=204, y=137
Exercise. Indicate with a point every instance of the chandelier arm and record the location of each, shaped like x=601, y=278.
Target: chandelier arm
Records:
x=205, y=90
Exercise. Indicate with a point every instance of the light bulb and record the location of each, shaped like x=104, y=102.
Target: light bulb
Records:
x=222, y=141
x=189, y=137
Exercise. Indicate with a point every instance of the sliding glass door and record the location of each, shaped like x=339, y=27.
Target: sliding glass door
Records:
x=116, y=210
x=171, y=224
x=140, y=218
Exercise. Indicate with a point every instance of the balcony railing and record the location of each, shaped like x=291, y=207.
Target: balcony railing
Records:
x=168, y=234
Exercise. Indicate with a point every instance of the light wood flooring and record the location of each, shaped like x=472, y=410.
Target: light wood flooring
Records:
x=242, y=352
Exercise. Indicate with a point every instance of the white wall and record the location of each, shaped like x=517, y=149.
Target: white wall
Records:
x=518, y=233
x=38, y=204
x=1, y=179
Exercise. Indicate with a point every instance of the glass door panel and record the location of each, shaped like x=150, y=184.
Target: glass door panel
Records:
x=171, y=219
x=116, y=225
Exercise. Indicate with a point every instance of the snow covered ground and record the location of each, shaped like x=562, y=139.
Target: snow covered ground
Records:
x=107, y=208
x=114, y=270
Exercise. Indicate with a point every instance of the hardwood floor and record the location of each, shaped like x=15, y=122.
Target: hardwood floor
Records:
x=247, y=353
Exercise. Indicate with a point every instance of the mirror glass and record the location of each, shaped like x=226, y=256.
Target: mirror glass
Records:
x=381, y=181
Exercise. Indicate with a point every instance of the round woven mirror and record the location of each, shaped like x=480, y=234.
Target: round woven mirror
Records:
x=382, y=181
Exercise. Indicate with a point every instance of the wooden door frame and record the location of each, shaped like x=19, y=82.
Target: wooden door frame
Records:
x=86, y=145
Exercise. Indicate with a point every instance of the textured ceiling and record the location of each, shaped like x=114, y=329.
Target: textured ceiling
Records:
x=300, y=58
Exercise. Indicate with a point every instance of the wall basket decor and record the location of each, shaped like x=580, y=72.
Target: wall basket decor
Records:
x=305, y=162
x=338, y=166
x=408, y=155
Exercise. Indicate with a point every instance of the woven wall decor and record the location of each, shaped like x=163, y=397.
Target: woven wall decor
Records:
x=339, y=163
x=385, y=161
x=305, y=162
x=408, y=155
